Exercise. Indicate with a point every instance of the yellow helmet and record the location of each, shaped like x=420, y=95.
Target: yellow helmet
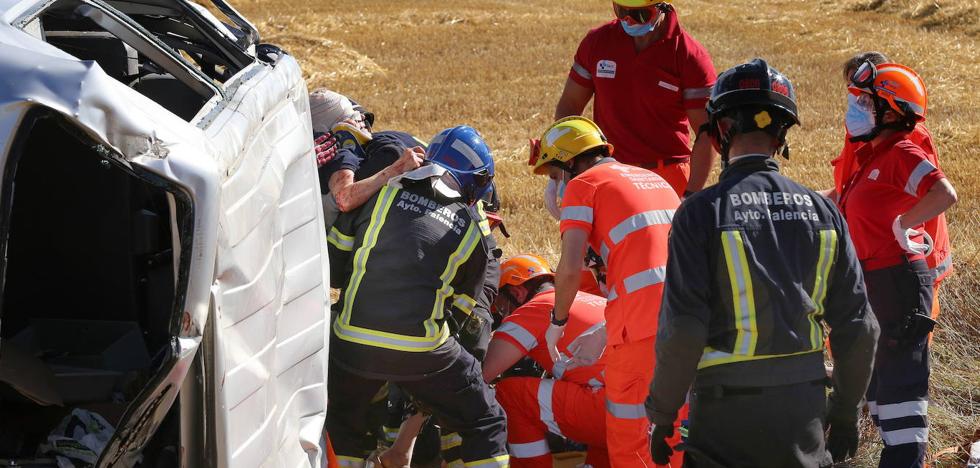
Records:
x=566, y=139
x=639, y=3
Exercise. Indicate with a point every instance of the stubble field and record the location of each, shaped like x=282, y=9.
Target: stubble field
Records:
x=499, y=65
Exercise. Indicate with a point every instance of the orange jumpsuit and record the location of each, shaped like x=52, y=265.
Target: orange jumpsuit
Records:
x=573, y=405
x=626, y=212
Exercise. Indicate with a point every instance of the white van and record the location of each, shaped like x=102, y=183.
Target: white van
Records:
x=163, y=260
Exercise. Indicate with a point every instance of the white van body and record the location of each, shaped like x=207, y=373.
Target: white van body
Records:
x=171, y=189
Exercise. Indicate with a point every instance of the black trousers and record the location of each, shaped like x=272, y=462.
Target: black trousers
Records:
x=759, y=427
x=898, y=396
x=457, y=397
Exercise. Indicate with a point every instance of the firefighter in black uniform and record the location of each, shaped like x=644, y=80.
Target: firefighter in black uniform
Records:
x=411, y=253
x=756, y=263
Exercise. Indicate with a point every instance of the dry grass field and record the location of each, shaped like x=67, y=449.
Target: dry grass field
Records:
x=499, y=65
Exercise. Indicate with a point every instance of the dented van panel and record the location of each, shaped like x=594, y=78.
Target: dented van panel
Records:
x=164, y=261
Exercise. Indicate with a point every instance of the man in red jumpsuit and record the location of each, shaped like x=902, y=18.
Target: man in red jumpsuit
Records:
x=573, y=403
x=623, y=213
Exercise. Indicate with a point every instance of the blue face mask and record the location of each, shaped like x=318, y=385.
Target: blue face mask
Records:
x=637, y=30
x=860, y=118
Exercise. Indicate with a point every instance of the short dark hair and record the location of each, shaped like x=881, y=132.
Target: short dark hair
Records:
x=874, y=57
x=590, y=154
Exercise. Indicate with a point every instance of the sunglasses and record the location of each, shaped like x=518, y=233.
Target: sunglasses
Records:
x=482, y=178
x=864, y=75
x=637, y=15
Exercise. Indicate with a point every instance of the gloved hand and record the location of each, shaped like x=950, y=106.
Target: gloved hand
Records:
x=325, y=147
x=588, y=347
x=904, y=238
x=842, y=438
x=551, y=199
x=660, y=450
x=551, y=338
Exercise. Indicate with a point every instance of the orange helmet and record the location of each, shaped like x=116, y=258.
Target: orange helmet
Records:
x=515, y=271
x=897, y=85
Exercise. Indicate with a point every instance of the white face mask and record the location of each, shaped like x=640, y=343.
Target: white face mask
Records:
x=860, y=118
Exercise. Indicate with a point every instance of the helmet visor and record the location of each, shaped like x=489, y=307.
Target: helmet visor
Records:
x=636, y=15
x=482, y=178
x=864, y=75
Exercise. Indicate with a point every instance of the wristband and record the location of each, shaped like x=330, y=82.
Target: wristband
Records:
x=556, y=322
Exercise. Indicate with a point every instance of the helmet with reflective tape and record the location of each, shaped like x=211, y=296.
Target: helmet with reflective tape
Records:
x=757, y=97
x=463, y=153
x=515, y=271
x=903, y=90
x=566, y=139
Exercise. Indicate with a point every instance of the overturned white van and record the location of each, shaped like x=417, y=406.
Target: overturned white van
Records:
x=163, y=260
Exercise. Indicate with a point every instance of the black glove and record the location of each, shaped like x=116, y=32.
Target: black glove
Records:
x=842, y=438
x=659, y=448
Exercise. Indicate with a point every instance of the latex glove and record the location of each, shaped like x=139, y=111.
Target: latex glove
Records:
x=551, y=199
x=842, y=439
x=904, y=238
x=551, y=338
x=325, y=147
x=660, y=450
x=588, y=347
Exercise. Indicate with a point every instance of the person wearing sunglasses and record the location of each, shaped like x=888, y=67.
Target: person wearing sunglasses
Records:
x=353, y=161
x=650, y=81
x=411, y=256
x=623, y=213
x=896, y=189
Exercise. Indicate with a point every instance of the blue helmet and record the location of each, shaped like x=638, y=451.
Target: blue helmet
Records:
x=462, y=151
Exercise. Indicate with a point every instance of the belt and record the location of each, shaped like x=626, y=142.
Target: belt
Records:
x=717, y=392
x=880, y=263
x=662, y=163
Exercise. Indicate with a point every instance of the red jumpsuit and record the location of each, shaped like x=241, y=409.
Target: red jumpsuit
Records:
x=574, y=405
x=626, y=212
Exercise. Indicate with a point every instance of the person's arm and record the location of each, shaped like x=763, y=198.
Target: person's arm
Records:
x=685, y=311
x=351, y=194
x=702, y=154
x=573, y=99
x=936, y=201
x=830, y=194
x=568, y=274
x=501, y=356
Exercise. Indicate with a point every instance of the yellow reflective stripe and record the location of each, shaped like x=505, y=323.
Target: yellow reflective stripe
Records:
x=713, y=357
x=380, y=339
x=484, y=222
x=378, y=217
x=464, y=303
x=743, y=299
x=498, y=461
x=470, y=240
x=828, y=252
x=340, y=240
x=450, y=440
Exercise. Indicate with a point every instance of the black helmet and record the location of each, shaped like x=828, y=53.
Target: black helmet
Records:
x=757, y=97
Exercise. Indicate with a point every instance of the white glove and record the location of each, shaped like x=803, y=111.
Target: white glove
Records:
x=588, y=347
x=551, y=199
x=551, y=338
x=904, y=238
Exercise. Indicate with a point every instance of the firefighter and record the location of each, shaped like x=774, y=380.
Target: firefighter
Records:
x=650, y=80
x=392, y=323
x=896, y=189
x=354, y=162
x=756, y=263
x=622, y=212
